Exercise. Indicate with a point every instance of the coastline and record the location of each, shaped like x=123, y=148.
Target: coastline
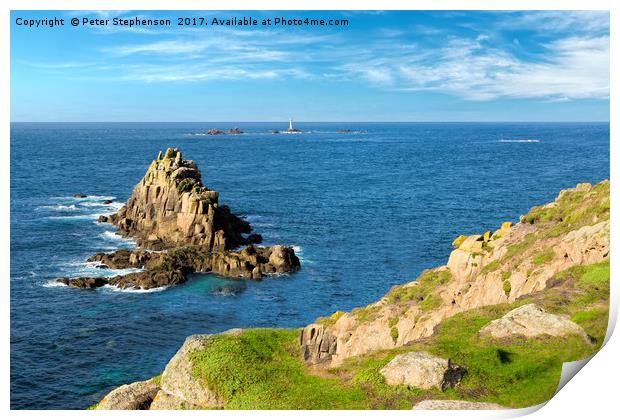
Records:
x=529, y=270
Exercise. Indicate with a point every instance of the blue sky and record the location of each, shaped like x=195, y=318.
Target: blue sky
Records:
x=384, y=66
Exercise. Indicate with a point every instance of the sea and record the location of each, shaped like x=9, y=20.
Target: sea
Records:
x=364, y=209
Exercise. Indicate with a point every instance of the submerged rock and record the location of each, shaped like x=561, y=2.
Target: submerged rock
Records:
x=531, y=321
x=422, y=370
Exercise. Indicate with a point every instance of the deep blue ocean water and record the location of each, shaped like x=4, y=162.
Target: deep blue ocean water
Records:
x=365, y=211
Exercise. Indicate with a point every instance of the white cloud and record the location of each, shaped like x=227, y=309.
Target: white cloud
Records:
x=571, y=68
x=583, y=21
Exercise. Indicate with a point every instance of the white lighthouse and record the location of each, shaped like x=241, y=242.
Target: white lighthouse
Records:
x=290, y=126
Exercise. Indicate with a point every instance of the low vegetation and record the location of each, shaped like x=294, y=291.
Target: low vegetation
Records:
x=573, y=210
x=262, y=368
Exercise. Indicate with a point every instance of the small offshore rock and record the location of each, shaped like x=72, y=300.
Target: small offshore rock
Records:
x=103, y=219
x=214, y=132
x=79, y=195
x=106, y=202
x=234, y=130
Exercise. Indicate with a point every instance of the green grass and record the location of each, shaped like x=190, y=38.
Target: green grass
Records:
x=431, y=302
x=157, y=380
x=421, y=291
x=492, y=266
x=330, y=320
x=425, y=283
x=516, y=249
x=262, y=369
x=543, y=257
x=507, y=287
x=394, y=333
x=573, y=210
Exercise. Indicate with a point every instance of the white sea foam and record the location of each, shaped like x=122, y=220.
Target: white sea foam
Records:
x=91, y=216
x=54, y=283
x=119, y=290
x=519, y=141
x=94, y=269
x=115, y=205
x=58, y=207
x=111, y=236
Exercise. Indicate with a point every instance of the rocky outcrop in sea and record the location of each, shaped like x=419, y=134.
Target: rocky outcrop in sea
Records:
x=171, y=210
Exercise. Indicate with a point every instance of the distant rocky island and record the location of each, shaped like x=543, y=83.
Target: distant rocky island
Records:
x=170, y=210
x=290, y=130
x=488, y=330
x=217, y=131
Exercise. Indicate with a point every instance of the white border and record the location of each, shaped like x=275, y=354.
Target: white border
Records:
x=592, y=395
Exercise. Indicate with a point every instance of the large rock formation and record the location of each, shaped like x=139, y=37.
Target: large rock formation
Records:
x=531, y=321
x=487, y=269
x=171, y=210
x=422, y=370
x=170, y=207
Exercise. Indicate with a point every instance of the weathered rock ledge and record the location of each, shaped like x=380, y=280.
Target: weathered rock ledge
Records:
x=170, y=210
x=172, y=267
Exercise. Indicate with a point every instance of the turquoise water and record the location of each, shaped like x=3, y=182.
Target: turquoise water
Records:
x=365, y=210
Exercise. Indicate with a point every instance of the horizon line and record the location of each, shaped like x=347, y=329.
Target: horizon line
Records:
x=311, y=122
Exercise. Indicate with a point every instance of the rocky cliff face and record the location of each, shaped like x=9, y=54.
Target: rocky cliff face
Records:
x=486, y=269
x=170, y=207
x=171, y=210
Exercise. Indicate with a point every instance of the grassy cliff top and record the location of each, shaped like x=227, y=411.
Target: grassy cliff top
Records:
x=262, y=368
